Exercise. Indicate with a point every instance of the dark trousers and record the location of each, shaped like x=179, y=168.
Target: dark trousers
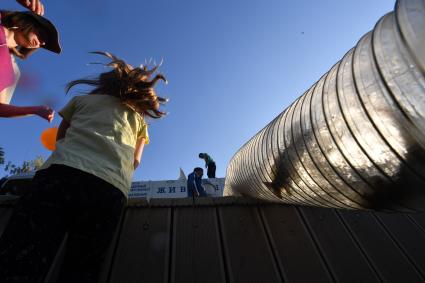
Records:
x=62, y=199
x=211, y=170
x=201, y=192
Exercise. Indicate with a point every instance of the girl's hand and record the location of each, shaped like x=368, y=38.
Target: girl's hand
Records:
x=34, y=5
x=45, y=112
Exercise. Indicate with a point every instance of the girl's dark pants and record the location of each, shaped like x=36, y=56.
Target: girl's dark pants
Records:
x=62, y=199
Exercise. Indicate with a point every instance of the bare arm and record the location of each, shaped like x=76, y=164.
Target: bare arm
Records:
x=140, y=144
x=196, y=192
x=64, y=125
x=11, y=111
x=34, y=5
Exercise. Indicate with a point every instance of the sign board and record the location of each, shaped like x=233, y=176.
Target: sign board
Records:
x=145, y=189
x=173, y=188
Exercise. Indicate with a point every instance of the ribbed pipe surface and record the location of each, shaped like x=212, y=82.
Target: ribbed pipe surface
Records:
x=356, y=138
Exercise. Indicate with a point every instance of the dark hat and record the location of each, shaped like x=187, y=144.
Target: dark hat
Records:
x=52, y=35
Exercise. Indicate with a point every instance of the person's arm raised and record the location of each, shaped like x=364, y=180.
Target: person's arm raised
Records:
x=34, y=5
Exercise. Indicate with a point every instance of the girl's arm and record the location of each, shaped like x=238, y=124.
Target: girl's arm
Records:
x=34, y=5
x=64, y=125
x=9, y=111
x=140, y=144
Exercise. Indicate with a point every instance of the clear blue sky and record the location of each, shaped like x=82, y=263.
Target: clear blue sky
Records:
x=232, y=66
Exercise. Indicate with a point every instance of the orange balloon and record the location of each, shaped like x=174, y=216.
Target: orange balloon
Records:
x=48, y=138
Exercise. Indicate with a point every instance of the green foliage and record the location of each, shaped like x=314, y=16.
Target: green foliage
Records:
x=26, y=167
x=1, y=156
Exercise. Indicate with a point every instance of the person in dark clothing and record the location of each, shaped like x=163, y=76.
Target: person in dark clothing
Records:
x=209, y=163
x=194, y=183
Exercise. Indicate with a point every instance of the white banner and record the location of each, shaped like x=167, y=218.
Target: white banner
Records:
x=173, y=188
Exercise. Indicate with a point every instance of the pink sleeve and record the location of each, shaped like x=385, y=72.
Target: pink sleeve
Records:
x=7, y=76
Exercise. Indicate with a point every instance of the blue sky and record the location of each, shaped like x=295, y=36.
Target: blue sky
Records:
x=232, y=66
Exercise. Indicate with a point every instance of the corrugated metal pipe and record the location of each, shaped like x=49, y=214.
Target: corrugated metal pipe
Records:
x=356, y=138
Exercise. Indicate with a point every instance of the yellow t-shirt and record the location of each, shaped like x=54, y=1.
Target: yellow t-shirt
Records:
x=101, y=139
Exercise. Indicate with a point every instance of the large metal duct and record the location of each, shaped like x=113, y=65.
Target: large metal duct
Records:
x=356, y=138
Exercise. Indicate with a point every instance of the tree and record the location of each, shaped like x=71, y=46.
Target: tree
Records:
x=1, y=156
x=26, y=167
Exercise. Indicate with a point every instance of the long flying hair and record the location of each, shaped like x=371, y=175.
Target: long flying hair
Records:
x=133, y=86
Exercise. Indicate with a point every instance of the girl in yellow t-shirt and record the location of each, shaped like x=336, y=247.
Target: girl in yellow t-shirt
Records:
x=82, y=188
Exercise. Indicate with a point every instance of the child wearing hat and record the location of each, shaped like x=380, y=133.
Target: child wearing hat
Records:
x=22, y=33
